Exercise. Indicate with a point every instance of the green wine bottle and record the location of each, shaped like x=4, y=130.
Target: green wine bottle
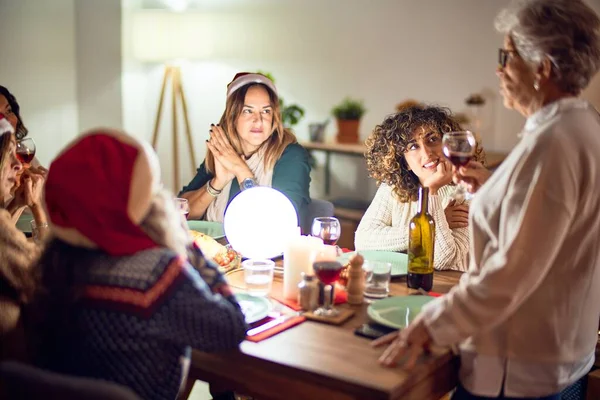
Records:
x=421, y=243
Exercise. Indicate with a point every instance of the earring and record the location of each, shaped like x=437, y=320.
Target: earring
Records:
x=536, y=85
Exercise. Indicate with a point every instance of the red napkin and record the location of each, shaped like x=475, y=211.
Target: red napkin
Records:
x=274, y=330
x=434, y=294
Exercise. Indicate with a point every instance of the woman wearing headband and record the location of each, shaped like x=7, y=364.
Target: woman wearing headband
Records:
x=249, y=147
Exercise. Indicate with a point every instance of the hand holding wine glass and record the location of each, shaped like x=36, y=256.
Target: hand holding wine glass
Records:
x=459, y=148
x=473, y=175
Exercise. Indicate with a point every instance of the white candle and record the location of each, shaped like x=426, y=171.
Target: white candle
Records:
x=298, y=257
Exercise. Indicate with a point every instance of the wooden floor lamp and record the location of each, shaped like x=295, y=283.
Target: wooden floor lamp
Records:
x=173, y=73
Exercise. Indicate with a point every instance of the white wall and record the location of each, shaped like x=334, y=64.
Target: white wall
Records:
x=38, y=67
x=98, y=63
x=319, y=51
x=62, y=60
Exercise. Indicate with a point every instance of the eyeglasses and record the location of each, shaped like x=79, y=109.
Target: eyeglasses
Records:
x=503, y=56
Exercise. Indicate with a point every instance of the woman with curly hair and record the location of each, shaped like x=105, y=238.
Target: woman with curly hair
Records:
x=403, y=152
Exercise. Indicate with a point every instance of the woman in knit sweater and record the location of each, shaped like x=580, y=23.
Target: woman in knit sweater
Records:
x=125, y=292
x=403, y=152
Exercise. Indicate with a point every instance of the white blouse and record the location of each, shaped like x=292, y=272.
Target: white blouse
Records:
x=527, y=310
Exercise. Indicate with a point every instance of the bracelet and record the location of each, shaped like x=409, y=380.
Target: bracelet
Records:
x=212, y=191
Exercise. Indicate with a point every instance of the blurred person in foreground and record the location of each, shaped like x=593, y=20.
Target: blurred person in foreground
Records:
x=526, y=313
x=17, y=254
x=124, y=291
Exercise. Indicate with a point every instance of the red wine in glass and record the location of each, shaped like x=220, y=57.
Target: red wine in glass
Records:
x=25, y=157
x=25, y=150
x=456, y=158
x=459, y=147
x=328, y=272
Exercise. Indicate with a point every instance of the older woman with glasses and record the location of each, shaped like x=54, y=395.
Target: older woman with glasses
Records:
x=526, y=313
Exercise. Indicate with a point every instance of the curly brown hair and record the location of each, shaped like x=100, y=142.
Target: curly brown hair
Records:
x=388, y=142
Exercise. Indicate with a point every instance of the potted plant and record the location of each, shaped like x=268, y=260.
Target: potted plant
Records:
x=348, y=114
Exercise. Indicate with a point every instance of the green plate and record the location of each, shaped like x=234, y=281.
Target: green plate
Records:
x=397, y=312
x=210, y=228
x=399, y=261
x=254, y=308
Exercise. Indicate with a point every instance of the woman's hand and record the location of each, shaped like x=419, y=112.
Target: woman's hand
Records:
x=225, y=154
x=412, y=341
x=29, y=193
x=457, y=215
x=441, y=177
x=474, y=175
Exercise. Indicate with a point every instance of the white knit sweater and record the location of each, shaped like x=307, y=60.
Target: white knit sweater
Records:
x=385, y=227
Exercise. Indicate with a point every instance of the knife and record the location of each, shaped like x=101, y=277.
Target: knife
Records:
x=269, y=325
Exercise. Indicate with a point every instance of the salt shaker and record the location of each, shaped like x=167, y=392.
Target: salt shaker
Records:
x=308, y=293
x=356, y=280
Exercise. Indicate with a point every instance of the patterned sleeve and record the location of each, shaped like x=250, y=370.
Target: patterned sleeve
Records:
x=205, y=320
x=375, y=230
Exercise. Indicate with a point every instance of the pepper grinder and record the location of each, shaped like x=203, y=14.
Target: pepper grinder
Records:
x=356, y=280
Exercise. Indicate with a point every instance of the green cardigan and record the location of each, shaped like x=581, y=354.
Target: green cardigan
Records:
x=291, y=176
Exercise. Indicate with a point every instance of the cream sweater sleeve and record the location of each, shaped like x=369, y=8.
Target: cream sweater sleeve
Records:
x=385, y=227
x=375, y=231
x=451, y=245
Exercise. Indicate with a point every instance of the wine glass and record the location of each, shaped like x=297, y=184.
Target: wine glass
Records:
x=183, y=206
x=326, y=228
x=328, y=272
x=25, y=150
x=459, y=148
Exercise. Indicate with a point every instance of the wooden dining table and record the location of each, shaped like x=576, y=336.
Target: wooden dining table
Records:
x=320, y=361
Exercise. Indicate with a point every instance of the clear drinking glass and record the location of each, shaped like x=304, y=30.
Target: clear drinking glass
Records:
x=459, y=148
x=326, y=228
x=377, y=278
x=183, y=206
x=258, y=276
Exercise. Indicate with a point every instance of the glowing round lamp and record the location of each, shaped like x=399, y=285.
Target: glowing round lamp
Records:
x=259, y=222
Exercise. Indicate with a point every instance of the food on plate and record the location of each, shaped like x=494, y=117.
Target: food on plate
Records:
x=224, y=256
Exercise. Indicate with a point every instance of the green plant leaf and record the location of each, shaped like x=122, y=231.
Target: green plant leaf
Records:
x=349, y=109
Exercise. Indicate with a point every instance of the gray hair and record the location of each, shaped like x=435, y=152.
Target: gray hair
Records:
x=567, y=32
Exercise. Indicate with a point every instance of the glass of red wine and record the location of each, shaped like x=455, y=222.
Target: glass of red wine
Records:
x=459, y=148
x=26, y=150
x=328, y=272
x=326, y=228
x=183, y=206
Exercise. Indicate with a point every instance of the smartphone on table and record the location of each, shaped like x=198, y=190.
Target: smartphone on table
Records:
x=373, y=331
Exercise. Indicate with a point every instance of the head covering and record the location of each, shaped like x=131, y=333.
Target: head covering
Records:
x=5, y=126
x=242, y=79
x=100, y=188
